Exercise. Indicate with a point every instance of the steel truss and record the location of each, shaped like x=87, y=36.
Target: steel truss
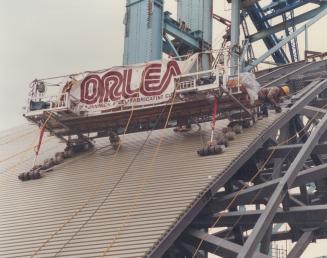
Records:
x=261, y=17
x=279, y=193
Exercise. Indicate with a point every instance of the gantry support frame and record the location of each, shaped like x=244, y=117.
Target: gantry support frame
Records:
x=292, y=166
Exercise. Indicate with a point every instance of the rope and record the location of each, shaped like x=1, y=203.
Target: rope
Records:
x=245, y=186
x=214, y=117
x=38, y=146
x=32, y=147
x=114, y=187
x=29, y=148
x=122, y=176
x=94, y=193
x=18, y=163
x=84, y=205
x=17, y=137
x=18, y=153
x=145, y=181
x=252, y=201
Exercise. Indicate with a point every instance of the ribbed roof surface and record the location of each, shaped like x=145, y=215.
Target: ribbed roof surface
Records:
x=98, y=202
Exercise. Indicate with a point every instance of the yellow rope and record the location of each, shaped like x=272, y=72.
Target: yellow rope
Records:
x=17, y=137
x=144, y=182
x=86, y=203
x=30, y=147
x=245, y=186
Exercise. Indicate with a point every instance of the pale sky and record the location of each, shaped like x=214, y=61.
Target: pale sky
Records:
x=42, y=38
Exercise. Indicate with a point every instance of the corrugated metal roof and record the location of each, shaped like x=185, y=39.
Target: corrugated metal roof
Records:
x=131, y=216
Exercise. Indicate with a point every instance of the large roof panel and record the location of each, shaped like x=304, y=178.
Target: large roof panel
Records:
x=96, y=202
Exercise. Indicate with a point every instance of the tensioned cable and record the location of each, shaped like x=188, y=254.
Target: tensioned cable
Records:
x=253, y=178
x=252, y=201
x=115, y=185
x=91, y=197
x=31, y=147
x=17, y=137
x=85, y=204
x=144, y=182
x=22, y=152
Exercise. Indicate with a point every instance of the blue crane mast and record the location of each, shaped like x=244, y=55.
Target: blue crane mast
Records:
x=258, y=18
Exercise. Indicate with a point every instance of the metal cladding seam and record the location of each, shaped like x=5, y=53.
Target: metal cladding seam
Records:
x=32, y=210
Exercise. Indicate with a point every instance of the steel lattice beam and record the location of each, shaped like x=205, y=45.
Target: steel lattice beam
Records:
x=286, y=40
x=281, y=26
x=305, y=216
x=265, y=189
x=302, y=99
x=217, y=245
x=281, y=151
x=281, y=190
x=301, y=244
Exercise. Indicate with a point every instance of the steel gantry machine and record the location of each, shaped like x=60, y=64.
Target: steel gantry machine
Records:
x=273, y=175
x=272, y=180
x=265, y=184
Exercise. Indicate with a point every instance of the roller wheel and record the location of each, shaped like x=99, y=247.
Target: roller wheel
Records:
x=211, y=150
x=230, y=136
x=238, y=129
x=52, y=162
x=87, y=146
x=59, y=157
x=247, y=123
x=36, y=175
x=225, y=130
x=201, y=152
x=218, y=149
x=68, y=153
x=27, y=176
x=32, y=175
x=21, y=177
x=115, y=145
x=206, y=151
x=221, y=141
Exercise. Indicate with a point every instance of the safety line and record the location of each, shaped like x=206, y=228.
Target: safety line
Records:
x=114, y=187
x=255, y=197
x=29, y=148
x=17, y=137
x=39, y=144
x=93, y=194
x=252, y=201
x=246, y=185
x=84, y=205
x=145, y=181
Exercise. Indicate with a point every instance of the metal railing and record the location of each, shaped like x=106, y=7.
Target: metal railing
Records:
x=50, y=103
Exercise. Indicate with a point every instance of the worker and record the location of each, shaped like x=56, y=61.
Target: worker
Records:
x=272, y=96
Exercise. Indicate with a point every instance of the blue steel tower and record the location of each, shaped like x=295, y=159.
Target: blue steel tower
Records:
x=143, y=31
x=197, y=15
x=149, y=31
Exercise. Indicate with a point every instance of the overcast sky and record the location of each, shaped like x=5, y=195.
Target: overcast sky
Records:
x=41, y=38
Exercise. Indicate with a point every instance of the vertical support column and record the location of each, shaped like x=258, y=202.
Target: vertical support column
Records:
x=143, y=31
x=197, y=16
x=235, y=35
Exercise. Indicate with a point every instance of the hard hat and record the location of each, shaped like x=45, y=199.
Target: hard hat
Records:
x=286, y=89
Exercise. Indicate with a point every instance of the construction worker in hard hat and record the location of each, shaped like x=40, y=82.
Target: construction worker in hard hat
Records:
x=272, y=96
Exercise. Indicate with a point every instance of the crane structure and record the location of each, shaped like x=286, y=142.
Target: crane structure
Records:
x=267, y=179
x=192, y=31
